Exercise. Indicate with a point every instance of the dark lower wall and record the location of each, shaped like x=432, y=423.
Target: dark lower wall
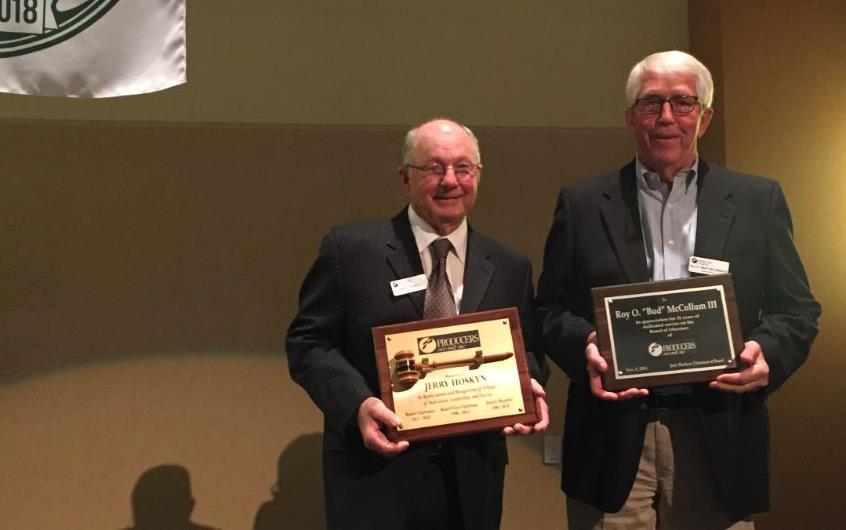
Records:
x=125, y=239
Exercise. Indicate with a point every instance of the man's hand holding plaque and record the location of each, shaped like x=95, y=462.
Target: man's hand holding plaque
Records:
x=378, y=424
x=542, y=410
x=754, y=372
x=596, y=368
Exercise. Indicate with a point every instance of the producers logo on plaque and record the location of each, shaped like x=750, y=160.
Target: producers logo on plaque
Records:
x=449, y=342
x=673, y=348
x=27, y=26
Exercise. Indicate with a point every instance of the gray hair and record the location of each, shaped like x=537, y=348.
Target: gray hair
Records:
x=671, y=62
x=411, y=140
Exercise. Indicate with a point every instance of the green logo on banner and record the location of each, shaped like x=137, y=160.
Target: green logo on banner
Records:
x=27, y=26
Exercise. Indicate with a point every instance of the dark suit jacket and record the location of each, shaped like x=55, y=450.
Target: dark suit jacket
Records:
x=330, y=353
x=596, y=239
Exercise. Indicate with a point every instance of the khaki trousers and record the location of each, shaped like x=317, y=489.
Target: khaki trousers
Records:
x=673, y=489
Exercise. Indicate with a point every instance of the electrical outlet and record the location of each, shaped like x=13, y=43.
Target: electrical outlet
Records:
x=552, y=449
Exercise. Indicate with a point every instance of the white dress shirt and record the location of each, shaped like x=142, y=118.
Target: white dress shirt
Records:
x=424, y=234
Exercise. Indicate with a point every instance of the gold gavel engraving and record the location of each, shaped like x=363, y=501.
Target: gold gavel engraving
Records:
x=408, y=371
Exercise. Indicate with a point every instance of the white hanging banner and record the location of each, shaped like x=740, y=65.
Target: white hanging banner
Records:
x=91, y=48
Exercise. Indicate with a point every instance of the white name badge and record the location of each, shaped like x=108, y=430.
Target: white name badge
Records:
x=409, y=285
x=707, y=266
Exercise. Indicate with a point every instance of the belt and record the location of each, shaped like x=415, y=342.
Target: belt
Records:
x=667, y=401
x=437, y=450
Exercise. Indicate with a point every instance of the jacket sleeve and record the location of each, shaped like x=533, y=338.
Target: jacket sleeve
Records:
x=315, y=341
x=535, y=358
x=562, y=332
x=789, y=312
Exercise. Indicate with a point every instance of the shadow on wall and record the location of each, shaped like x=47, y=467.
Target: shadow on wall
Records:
x=162, y=500
x=298, y=493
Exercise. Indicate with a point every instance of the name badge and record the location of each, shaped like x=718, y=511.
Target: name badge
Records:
x=409, y=285
x=707, y=266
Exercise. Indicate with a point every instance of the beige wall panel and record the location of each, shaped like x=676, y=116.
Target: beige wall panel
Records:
x=530, y=63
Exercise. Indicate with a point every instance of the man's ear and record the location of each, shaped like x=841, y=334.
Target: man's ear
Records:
x=402, y=171
x=629, y=114
x=705, y=121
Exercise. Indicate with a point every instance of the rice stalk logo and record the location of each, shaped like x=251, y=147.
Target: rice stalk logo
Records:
x=27, y=26
x=427, y=345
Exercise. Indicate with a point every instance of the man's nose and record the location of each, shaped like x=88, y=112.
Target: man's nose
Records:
x=666, y=114
x=449, y=178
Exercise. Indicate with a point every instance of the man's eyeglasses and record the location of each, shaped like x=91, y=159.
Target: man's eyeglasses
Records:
x=463, y=171
x=655, y=104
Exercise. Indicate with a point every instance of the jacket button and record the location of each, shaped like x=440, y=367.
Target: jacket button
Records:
x=643, y=406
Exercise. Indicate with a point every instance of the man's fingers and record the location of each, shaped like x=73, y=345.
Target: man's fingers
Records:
x=596, y=366
x=379, y=412
x=543, y=415
x=541, y=409
x=754, y=375
x=517, y=428
x=594, y=359
x=630, y=393
x=751, y=352
x=385, y=416
x=376, y=440
x=734, y=388
x=598, y=391
x=373, y=416
x=739, y=382
x=537, y=389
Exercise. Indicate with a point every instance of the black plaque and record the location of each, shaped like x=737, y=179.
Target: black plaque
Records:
x=668, y=332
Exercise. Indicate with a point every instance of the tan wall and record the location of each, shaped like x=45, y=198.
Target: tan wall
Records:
x=390, y=62
x=149, y=264
x=152, y=247
x=783, y=65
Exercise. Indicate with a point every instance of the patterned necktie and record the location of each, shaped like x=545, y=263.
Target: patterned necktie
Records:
x=439, y=301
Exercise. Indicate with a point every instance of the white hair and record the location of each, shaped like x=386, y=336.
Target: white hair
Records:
x=411, y=140
x=671, y=62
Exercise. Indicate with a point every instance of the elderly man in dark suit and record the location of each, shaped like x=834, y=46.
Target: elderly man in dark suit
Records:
x=689, y=456
x=372, y=482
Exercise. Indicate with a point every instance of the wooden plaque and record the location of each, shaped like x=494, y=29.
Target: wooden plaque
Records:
x=667, y=332
x=450, y=376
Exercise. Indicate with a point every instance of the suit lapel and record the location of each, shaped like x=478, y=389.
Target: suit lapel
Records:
x=403, y=258
x=715, y=213
x=621, y=219
x=478, y=271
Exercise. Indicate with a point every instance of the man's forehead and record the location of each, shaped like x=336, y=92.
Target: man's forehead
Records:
x=447, y=135
x=673, y=82
x=439, y=127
